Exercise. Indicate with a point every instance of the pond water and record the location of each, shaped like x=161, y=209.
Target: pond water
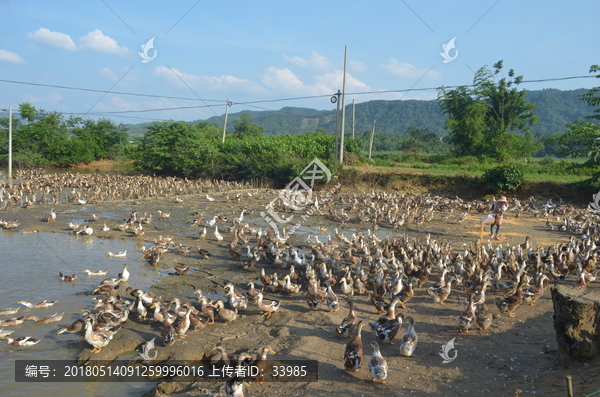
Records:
x=29, y=264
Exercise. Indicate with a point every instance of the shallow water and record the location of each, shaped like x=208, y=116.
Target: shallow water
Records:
x=30, y=264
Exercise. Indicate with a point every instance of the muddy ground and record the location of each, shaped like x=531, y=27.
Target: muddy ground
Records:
x=515, y=353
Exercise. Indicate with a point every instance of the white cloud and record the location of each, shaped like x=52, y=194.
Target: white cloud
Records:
x=296, y=60
x=53, y=39
x=94, y=40
x=213, y=83
x=98, y=41
x=315, y=61
x=407, y=71
x=285, y=81
x=11, y=57
x=357, y=66
x=282, y=80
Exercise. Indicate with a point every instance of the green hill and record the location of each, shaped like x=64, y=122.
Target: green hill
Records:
x=555, y=108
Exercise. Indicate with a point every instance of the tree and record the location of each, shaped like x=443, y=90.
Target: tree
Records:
x=245, y=127
x=583, y=137
x=483, y=119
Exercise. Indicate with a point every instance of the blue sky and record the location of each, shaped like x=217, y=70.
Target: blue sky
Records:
x=264, y=51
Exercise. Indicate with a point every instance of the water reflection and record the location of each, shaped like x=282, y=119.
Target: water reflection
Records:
x=30, y=264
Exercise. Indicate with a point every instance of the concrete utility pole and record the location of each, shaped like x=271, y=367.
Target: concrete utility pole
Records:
x=336, y=99
x=371, y=139
x=353, y=119
x=10, y=143
x=343, y=106
x=226, y=114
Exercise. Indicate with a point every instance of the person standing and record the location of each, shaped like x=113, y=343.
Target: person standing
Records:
x=498, y=208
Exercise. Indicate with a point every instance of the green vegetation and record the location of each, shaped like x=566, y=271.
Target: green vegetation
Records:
x=177, y=148
x=41, y=137
x=583, y=138
x=483, y=119
x=506, y=177
x=554, y=107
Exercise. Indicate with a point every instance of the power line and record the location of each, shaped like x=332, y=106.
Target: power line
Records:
x=104, y=91
x=248, y=103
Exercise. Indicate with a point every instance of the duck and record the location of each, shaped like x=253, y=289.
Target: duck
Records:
x=95, y=338
x=289, y=286
x=467, y=317
x=95, y=273
x=4, y=334
x=252, y=291
x=121, y=254
x=105, y=289
x=184, y=324
x=110, y=281
x=64, y=277
x=140, y=309
x=483, y=316
x=202, y=233
x=267, y=306
x=226, y=314
x=12, y=321
x=22, y=341
x=509, y=304
x=44, y=303
x=390, y=315
x=50, y=319
x=10, y=310
x=388, y=330
x=218, y=235
x=124, y=275
x=234, y=386
x=378, y=368
x=440, y=294
x=204, y=253
x=198, y=322
x=410, y=338
x=332, y=300
x=206, y=308
x=181, y=269
x=77, y=326
x=348, y=323
x=354, y=350
x=531, y=294
x=312, y=299
x=262, y=364
x=236, y=301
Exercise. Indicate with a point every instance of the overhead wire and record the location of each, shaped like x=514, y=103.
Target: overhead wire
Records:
x=250, y=103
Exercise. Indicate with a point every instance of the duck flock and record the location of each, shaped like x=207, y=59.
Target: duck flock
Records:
x=388, y=271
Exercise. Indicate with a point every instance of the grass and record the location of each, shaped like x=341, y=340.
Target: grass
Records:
x=550, y=169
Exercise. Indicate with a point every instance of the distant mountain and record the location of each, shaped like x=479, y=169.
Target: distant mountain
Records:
x=555, y=108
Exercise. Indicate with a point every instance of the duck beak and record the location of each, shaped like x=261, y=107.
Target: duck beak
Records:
x=272, y=351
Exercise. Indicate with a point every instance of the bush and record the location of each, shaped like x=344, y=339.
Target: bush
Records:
x=506, y=177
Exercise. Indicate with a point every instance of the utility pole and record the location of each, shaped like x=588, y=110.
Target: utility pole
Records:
x=226, y=114
x=371, y=139
x=10, y=143
x=343, y=107
x=336, y=99
x=353, y=119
